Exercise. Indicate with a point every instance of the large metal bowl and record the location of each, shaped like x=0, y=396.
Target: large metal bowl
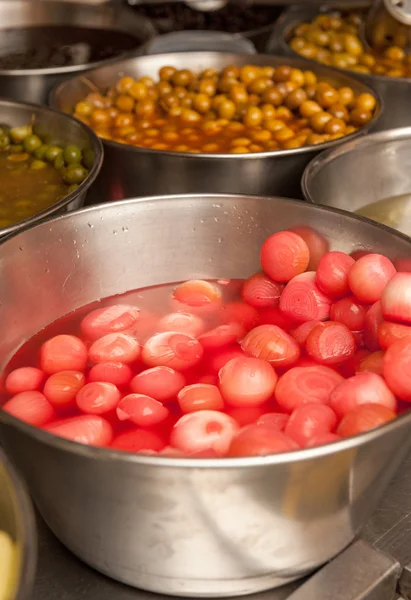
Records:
x=394, y=91
x=17, y=520
x=54, y=128
x=361, y=172
x=34, y=85
x=186, y=527
x=131, y=171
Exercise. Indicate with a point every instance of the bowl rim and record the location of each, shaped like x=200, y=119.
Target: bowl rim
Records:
x=26, y=525
x=320, y=162
x=146, y=22
x=306, y=454
x=289, y=19
x=298, y=61
x=96, y=146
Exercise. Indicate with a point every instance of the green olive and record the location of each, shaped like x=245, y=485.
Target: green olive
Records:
x=72, y=155
x=59, y=162
x=4, y=141
x=18, y=134
x=89, y=157
x=31, y=143
x=52, y=152
x=16, y=148
x=72, y=188
x=37, y=165
x=75, y=174
x=40, y=153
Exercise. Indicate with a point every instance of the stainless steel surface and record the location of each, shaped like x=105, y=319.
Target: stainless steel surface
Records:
x=194, y=41
x=17, y=520
x=400, y=10
x=131, y=171
x=54, y=128
x=394, y=91
x=361, y=172
x=358, y=573
x=61, y=575
x=389, y=20
x=34, y=85
x=183, y=526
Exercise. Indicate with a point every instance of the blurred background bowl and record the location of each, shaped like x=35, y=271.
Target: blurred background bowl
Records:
x=25, y=23
x=131, y=171
x=187, y=527
x=394, y=91
x=376, y=168
x=53, y=128
x=17, y=521
x=252, y=19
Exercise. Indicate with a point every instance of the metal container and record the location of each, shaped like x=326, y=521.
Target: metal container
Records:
x=362, y=172
x=192, y=41
x=186, y=527
x=17, y=521
x=131, y=171
x=395, y=92
x=258, y=35
x=54, y=128
x=34, y=85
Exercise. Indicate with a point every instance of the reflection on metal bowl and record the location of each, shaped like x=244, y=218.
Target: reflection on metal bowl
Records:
x=18, y=543
x=395, y=92
x=187, y=527
x=53, y=128
x=371, y=177
x=131, y=171
x=21, y=19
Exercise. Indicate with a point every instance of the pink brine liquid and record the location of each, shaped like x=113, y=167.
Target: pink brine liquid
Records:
x=308, y=351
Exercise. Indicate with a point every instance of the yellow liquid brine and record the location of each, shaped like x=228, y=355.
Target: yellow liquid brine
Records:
x=394, y=212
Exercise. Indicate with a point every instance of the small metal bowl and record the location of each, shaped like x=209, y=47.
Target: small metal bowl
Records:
x=54, y=128
x=131, y=171
x=17, y=521
x=362, y=172
x=34, y=85
x=394, y=91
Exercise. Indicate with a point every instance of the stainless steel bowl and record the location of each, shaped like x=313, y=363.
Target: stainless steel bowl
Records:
x=361, y=172
x=394, y=91
x=257, y=35
x=17, y=520
x=34, y=85
x=186, y=527
x=54, y=128
x=131, y=171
